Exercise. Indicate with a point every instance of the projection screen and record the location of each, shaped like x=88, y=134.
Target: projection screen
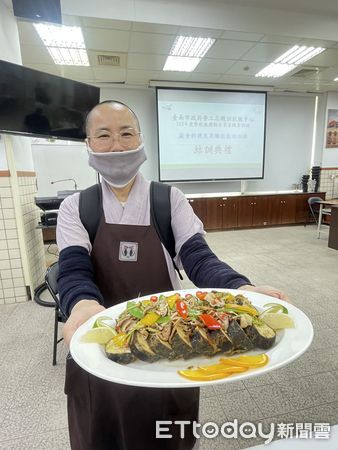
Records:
x=208, y=135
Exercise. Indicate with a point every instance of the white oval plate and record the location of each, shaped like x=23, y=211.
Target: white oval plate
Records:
x=290, y=344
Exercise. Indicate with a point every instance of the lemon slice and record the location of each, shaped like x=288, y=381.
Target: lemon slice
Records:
x=99, y=335
x=101, y=322
x=276, y=307
x=277, y=321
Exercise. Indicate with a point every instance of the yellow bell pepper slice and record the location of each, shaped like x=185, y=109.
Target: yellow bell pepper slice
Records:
x=149, y=319
x=242, y=308
x=171, y=300
x=250, y=361
x=147, y=303
x=120, y=340
x=229, y=298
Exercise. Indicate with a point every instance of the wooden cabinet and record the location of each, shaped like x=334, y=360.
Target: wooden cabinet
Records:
x=216, y=213
x=221, y=213
x=214, y=220
x=245, y=211
x=253, y=211
x=282, y=209
x=288, y=209
x=229, y=212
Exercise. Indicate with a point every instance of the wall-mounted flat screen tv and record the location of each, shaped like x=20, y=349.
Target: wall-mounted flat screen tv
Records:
x=209, y=135
x=44, y=105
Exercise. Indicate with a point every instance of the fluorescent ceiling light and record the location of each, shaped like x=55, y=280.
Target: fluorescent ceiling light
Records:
x=195, y=47
x=289, y=61
x=186, y=52
x=69, y=56
x=65, y=44
x=299, y=54
x=181, y=63
x=275, y=70
x=336, y=79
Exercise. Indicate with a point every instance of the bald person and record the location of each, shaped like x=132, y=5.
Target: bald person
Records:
x=92, y=277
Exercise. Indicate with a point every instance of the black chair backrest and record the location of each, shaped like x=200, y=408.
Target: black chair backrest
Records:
x=314, y=200
x=313, y=203
x=51, y=280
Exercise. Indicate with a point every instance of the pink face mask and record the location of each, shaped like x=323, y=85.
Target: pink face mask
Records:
x=117, y=168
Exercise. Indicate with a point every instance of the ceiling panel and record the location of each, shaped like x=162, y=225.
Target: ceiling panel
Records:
x=240, y=36
x=274, y=39
x=316, y=43
x=245, y=68
x=109, y=74
x=35, y=54
x=72, y=21
x=86, y=73
x=92, y=22
x=173, y=76
x=53, y=69
x=237, y=79
x=228, y=49
x=266, y=52
x=154, y=28
x=322, y=7
x=326, y=74
x=141, y=76
x=199, y=32
x=107, y=40
x=146, y=61
x=151, y=43
x=28, y=34
x=327, y=58
x=209, y=65
x=204, y=77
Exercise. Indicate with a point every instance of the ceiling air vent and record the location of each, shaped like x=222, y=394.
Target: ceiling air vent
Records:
x=109, y=60
x=303, y=73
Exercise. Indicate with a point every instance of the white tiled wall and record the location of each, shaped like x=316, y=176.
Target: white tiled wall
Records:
x=33, y=236
x=329, y=182
x=12, y=282
x=11, y=273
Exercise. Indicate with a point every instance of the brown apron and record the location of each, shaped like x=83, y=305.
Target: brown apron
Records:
x=128, y=261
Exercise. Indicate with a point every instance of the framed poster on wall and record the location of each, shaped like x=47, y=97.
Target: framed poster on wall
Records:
x=332, y=128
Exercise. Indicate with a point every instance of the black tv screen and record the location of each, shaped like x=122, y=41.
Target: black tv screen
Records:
x=43, y=105
x=38, y=10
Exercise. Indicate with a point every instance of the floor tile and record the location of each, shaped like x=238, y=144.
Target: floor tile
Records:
x=33, y=406
x=54, y=440
x=211, y=410
x=241, y=406
x=271, y=399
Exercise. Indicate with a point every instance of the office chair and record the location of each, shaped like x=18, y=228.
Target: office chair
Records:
x=314, y=208
x=52, y=286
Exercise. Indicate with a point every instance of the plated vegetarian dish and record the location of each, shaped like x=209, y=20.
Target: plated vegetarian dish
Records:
x=200, y=324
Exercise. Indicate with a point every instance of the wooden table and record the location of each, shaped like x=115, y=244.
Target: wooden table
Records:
x=332, y=202
x=333, y=235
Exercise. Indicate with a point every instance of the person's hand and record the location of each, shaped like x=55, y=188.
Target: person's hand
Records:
x=81, y=312
x=267, y=290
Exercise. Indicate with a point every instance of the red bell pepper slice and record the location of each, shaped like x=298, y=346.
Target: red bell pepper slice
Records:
x=201, y=295
x=210, y=322
x=182, y=309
